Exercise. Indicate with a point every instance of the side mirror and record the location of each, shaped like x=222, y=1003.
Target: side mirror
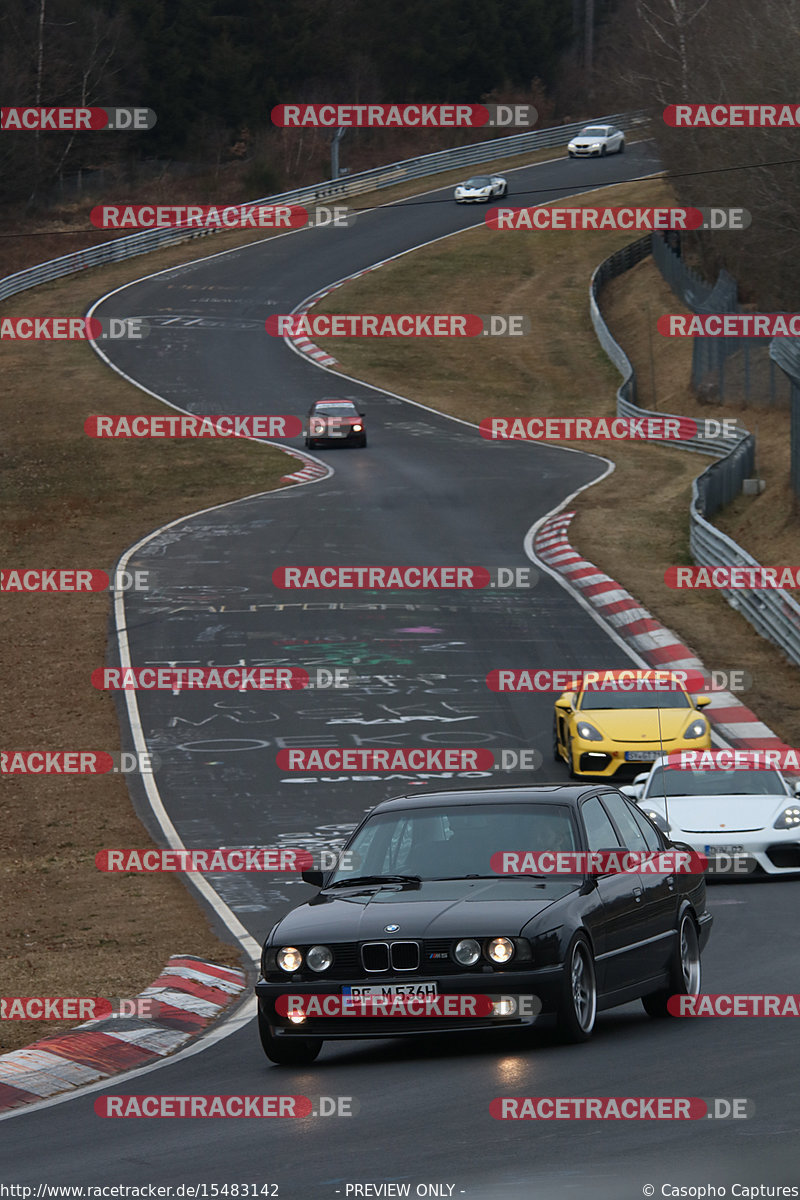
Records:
x=315, y=878
x=595, y=874
x=632, y=790
x=702, y=701
x=797, y=789
x=564, y=705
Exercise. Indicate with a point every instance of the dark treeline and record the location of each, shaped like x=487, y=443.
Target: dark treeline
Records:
x=213, y=69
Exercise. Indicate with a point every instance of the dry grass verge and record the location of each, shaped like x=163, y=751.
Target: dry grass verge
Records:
x=72, y=501
x=636, y=522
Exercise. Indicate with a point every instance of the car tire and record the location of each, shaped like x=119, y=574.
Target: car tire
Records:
x=684, y=971
x=577, y=1009
x=557, y=755
x=622, y=146
x=573, y=774
x=504, y=192
x=570, y=154
x=363, y=442
x=286, y=1052
x=602, y=151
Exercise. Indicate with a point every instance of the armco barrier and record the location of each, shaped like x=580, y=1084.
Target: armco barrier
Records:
x=333, y=189
x=773, y=613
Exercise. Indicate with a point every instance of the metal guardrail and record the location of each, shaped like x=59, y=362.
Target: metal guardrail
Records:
x=772, y=612
x=366, y=181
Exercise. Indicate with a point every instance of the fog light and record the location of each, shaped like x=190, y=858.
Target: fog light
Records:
x=506, y=1006
x=297, y=1018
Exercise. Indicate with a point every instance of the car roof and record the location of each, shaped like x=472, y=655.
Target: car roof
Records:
x=333, y=400
x=546, y=793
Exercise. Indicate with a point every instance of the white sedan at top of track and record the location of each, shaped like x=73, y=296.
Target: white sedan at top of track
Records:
x=481, y=187
x=595, y=141
x=741, y=820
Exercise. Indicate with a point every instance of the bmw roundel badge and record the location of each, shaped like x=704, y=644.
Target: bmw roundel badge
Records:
x=391, y=928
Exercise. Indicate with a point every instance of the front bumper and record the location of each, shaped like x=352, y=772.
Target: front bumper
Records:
x=473, y=199
x=585, y=151
x=607, y=758
x=543, y=983
x=762, y=853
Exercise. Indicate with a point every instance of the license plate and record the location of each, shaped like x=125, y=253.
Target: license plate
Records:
x=358, y=992
x=641, y=755
x=712, y=851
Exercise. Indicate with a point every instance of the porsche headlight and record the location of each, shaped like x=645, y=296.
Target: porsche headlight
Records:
x=290, y=959
x=657, y=819
x=318, y=958
x=588, y=732
x=789, y=818
x=500, y=950
x=696, y=729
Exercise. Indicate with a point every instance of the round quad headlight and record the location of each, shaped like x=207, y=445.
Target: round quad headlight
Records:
x=501, y=950
x=319, y=958
x=789, y=818
x=290, y=959
x=467, y=952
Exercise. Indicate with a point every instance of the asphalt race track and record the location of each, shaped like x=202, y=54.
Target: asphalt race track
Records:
x=427, y=490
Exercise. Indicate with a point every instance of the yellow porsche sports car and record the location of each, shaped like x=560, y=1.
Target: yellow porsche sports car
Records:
x=597, y=732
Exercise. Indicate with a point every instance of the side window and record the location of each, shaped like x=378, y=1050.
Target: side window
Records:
x=600, y=832
x=632, y=836
x=649, y=834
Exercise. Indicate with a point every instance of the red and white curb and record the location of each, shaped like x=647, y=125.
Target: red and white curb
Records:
x=304, y=344
x=656, y=644
x=310, y=469
x=192, y=994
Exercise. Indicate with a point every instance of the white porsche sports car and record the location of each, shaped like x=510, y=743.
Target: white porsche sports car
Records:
x=595, y=141
x=743, y=821
x=480, y=188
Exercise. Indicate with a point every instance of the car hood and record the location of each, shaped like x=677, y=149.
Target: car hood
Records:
x=438, y=908
x=588, y=141
x=719, y=814
x=639, y=724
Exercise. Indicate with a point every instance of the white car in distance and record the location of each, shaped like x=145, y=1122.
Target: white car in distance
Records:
x=595, y=141
x=481, y=188
x=741, y=820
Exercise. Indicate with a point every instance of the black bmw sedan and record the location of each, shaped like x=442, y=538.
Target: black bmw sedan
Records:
x=418, y=931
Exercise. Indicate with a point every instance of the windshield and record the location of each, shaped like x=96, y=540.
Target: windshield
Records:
x=593, y=131
x=478, y=181
x=714, y=783
x=335, y=410
x=596, y=700
x=445, y=843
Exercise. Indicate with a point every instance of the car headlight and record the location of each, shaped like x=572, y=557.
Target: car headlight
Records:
x=657, y=819
x=696, y=729
x=290, y=959
x=500, y=950
x=467, y=952
x=318, y=426
x=588, y=732
x=357, y=428
x=596, y=145
x=789, y=818
x=318, y=958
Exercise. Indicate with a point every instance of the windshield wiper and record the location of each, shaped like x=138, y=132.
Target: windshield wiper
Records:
x=357, y=880
x=502, y=875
